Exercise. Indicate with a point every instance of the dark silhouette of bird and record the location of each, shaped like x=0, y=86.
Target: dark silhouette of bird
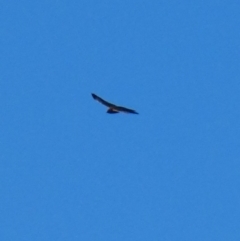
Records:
x=113, y=109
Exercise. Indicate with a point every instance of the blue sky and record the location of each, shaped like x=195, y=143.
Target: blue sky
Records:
x=69, y=171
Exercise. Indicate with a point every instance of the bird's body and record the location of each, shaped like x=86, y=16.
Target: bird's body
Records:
x=113, y=109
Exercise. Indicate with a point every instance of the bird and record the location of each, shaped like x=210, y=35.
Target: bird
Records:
x=113, y=109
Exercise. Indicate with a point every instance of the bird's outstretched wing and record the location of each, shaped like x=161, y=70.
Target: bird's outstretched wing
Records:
x=104, y=102
x=126, y=110
x=113, y=109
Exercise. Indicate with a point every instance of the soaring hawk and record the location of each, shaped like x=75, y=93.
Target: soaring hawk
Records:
x=113, y=109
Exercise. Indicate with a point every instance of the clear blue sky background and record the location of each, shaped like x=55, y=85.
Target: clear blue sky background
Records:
x=69, y=171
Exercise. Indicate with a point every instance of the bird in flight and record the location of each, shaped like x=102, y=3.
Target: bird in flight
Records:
x=113, y=109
